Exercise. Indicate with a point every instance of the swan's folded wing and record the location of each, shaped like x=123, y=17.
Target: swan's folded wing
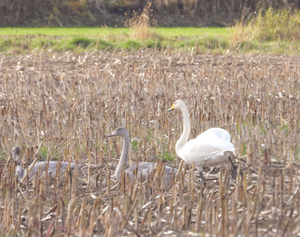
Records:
x=51, y=168
x=144, y=168
x=206, y=151
x=215, y=132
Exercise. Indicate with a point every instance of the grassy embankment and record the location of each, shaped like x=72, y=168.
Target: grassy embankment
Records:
x=271, y=32
x=21, y=40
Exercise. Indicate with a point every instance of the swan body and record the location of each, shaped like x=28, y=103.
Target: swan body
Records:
x=144, y=168
x=208, y=149
x=211, y=148
x=52, y=167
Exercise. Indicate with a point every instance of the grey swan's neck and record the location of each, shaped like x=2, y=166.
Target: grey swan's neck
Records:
x=124, y=156
x=19, y=171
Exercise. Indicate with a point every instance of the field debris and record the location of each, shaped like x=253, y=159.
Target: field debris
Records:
x=70, y=102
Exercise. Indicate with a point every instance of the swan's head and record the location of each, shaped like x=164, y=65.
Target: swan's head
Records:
x=178, y=105
x=121, y=132
x=16, y=154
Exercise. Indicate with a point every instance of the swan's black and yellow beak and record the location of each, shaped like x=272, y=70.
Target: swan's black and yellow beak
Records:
x=172, y=108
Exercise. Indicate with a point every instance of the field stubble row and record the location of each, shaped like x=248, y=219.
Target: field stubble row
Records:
x=71, y=101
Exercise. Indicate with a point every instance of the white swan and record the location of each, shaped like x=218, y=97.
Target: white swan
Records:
x=20, y=172
x=210, y=148
x=144, y=168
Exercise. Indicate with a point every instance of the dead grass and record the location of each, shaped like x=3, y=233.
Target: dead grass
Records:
x=140, y=24
x=270, y=25
x=71, y=101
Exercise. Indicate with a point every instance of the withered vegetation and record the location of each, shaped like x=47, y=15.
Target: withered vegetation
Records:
x=71, y=101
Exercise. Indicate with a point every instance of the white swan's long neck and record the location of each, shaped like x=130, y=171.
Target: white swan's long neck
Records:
x=124, y=156
x=186, y=129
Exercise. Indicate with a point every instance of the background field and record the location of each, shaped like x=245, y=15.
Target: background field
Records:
x=200, y=40
x=23, y=40
x=100, y=31
x=267, y=31
x=70, y=101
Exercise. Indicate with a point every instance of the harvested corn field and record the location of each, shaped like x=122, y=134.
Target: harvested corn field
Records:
x=62, y=106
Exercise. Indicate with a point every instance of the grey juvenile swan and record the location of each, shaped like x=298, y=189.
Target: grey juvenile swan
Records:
x=20, y=172
x=144, y=168
x=211, y=148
